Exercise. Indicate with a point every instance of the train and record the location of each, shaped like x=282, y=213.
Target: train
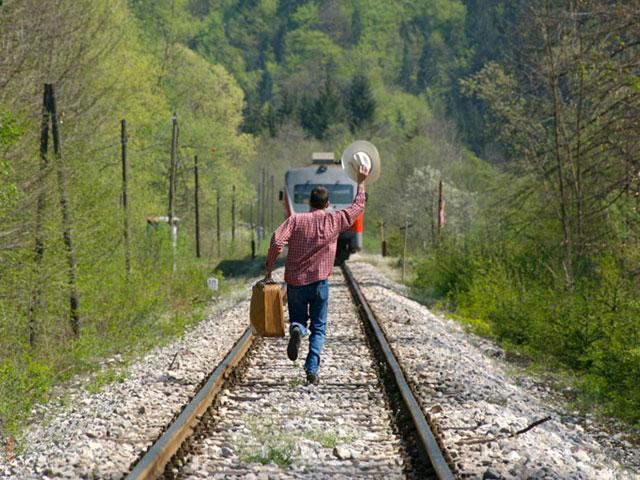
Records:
x=324, y=171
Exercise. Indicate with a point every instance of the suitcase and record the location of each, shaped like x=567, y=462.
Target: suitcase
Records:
x=267, y=310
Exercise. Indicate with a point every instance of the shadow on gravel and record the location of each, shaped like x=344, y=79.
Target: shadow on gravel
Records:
x=244, y=268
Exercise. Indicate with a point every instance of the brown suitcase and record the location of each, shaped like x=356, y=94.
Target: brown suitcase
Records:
x=267, y=310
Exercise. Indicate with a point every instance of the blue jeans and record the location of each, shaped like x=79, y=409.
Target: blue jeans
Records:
x=310, y=303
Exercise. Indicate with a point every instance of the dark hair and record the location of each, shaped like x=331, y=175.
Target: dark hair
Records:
x=319, y=198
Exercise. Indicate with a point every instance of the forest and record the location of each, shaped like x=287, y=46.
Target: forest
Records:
x=527, y=111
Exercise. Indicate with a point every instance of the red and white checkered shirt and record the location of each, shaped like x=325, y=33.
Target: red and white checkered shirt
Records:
x=312, y=239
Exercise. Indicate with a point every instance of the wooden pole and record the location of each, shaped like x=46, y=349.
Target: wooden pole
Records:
x=233, y=213
x=384, y=242
x=263, y=218
x=253, y=232
x=404, y=249
x=74, y=301
x=197, y=204
x=272, y=195
x=36, y=297
x=172, y=168
x=260, y=204
x=433, y=222
x=172, y=186
x=125, y=201
x=218, y=220
x=440, y=209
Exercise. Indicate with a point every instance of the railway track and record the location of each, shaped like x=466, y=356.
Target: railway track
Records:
x=255, y=416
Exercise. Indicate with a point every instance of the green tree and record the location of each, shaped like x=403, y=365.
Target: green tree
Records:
x=356, y=26
x=316, y=115
x=360, y=102
x=265, y=87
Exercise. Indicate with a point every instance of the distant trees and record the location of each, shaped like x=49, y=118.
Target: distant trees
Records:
x=564, y=108
x=356, y=26
x=361, y=105
x=353, y=105
x=317, y=114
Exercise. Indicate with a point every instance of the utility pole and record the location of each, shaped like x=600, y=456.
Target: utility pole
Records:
x=173, y=166
x=263, y=219
x=260, y=203
x=36, y=296
x=233, y=213
x=440, y=209
x=384, y=242
x=197, y=204
x=125, y=202
x=271, y=202
x=406, y=228
x=74, y=301
x=253, y=233
x=218, y=220
x=172, y=185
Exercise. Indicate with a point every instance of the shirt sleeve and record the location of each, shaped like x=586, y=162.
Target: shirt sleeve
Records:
x=345, y=218
x=278, y=240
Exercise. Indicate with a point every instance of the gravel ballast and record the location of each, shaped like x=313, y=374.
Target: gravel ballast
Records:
x=471, y=396
x=100, y=435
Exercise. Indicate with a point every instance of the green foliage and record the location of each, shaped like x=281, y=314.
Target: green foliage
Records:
x=103, y=378
x=267, y=444
x=327, y=438
x=590, y=329
x=23, y=381
x=317, y=115
x=10, y=132
x=10, y=128
x=360, y=102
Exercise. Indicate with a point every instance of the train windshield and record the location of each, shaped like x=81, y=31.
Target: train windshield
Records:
x=338, y=193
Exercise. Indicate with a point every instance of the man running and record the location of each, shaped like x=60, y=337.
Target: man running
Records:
x=312, y=239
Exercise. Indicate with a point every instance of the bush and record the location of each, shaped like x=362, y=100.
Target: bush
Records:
x=590, y=328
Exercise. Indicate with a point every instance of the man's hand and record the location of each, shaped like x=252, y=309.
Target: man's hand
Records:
x=267, y=276
x=363, y=173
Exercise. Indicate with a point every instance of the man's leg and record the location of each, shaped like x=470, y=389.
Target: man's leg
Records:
x=297, y=300
x=318, y=307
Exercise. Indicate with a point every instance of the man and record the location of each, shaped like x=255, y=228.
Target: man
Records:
x=312, y=239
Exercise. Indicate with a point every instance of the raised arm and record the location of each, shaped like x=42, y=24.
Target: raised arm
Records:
x=346, y=218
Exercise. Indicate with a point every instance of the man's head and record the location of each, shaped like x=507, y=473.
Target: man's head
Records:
x=319, y=198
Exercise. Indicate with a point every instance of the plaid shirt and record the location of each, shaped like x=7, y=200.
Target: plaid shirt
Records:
x=312, y=239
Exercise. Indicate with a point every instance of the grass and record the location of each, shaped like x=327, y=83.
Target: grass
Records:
x=282, y=457
x=268, y=444
x=327, y=438
x=105, y=377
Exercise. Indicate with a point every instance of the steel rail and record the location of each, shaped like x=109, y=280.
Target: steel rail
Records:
x=153, y=463
x=426, y=438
